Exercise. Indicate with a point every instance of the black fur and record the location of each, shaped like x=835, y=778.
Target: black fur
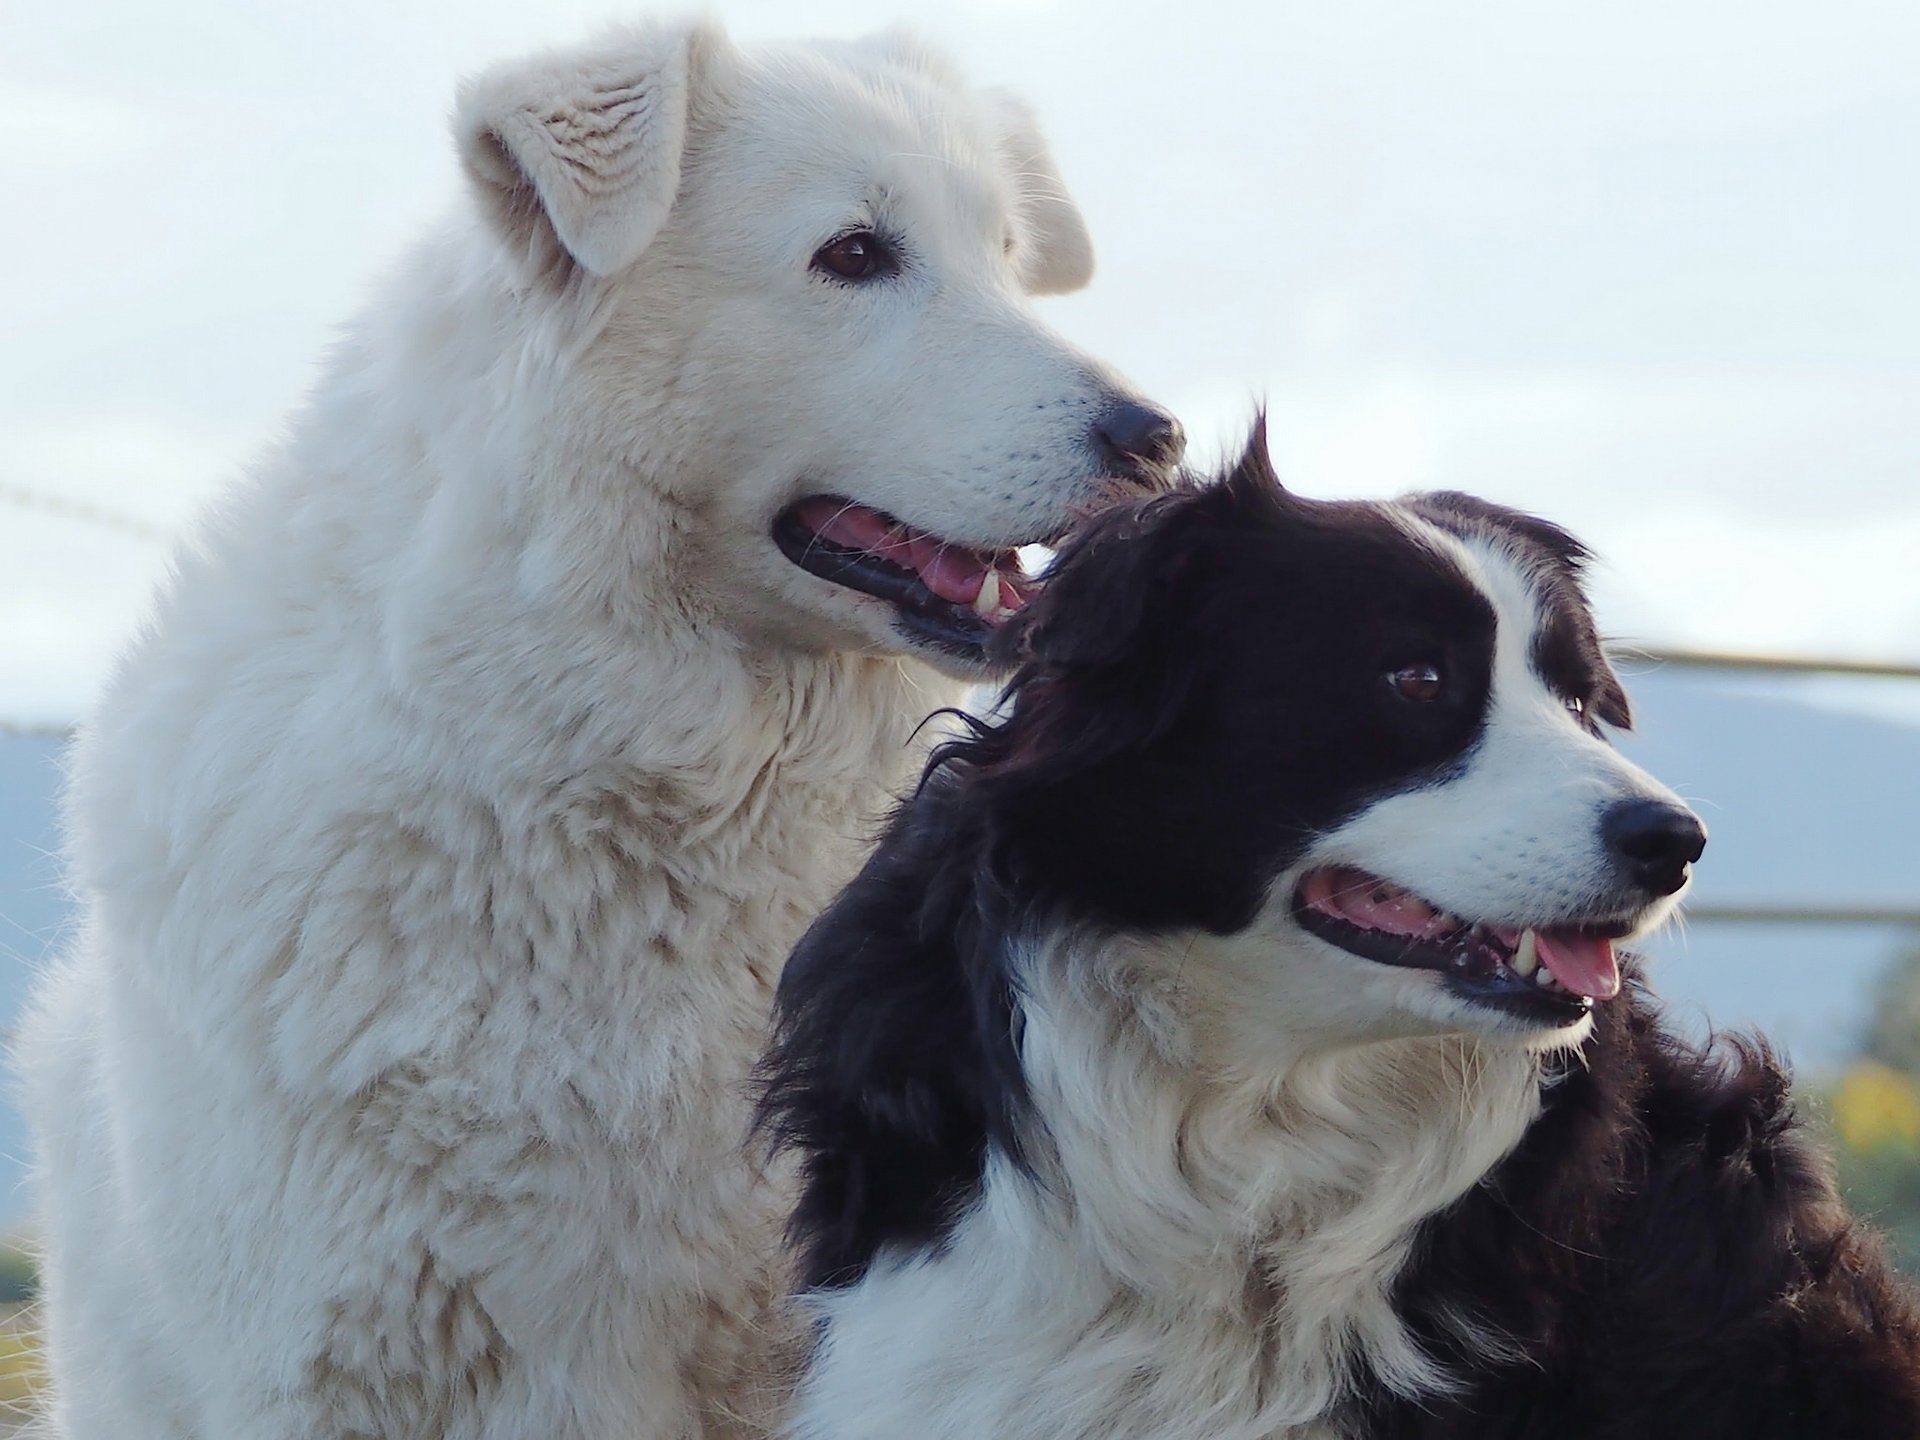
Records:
x=1199, y=693
x=1667, y=1247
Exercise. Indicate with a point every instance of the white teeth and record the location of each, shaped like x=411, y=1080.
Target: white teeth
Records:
x=1526, y=955
x=1544, y=979
x=988, y=600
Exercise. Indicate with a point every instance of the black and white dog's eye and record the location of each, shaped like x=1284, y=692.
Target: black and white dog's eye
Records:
x=1420, y=683
x=857, y=255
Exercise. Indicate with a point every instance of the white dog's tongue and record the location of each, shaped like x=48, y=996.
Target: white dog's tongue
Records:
x=950, y=571
x=854, y=526
x=1583, y=963
x=953, y=572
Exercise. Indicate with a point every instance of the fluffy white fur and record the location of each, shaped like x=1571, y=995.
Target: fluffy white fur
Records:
x=1237, y=1135
x=443, y=834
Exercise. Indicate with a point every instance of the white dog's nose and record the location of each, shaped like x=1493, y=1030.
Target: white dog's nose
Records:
x=1138, y=442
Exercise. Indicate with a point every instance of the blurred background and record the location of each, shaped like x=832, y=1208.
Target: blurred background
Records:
x=1647, y=267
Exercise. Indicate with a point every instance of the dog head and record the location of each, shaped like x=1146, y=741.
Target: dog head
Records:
x=1360, y=749
x=803, y=274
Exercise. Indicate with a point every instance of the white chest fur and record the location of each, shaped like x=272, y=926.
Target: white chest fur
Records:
x=1192, y=1259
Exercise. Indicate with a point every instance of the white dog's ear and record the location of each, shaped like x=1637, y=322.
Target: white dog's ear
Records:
x=1055, y=252
x=576, y=155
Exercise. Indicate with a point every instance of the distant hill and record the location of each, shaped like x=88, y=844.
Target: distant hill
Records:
x=1805, y=804
x=33, y=899
x=34, y=909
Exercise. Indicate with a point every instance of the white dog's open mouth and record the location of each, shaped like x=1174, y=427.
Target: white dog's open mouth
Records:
x=1550, y=971
x=949, y=594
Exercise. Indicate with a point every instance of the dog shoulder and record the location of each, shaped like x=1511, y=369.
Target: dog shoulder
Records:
x=1740, y=1237
x=1667, y=1250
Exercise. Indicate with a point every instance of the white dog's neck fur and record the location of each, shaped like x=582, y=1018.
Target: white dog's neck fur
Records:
x=1167, y=1198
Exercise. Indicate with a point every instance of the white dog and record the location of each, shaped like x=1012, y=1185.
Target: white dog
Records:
x=444, y=834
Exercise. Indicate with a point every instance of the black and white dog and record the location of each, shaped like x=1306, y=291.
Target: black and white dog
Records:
x=1231, y=1044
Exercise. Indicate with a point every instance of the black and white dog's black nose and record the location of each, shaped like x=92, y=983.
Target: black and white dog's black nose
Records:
x=1138, y=442
x=1656, y=840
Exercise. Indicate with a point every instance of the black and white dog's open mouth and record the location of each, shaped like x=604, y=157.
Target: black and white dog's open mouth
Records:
x=948, y=593
x=1532, y=970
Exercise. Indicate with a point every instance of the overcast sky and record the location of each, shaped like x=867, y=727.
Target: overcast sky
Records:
x=1647, y=266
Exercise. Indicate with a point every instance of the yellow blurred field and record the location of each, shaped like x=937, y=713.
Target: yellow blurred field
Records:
x=19, y=1365
x=20, y=1369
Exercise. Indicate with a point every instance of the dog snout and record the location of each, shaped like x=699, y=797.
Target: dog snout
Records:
x=1138, y=442
x=1655, y=840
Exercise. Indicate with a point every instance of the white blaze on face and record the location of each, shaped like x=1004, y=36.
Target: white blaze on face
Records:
x=1513, y=835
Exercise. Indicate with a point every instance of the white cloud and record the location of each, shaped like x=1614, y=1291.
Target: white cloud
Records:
x=49, y=130
x=1703, y=575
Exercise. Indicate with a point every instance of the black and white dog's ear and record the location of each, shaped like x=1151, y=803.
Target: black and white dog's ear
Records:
x=1545, y=538
x=1252, y=491
x=575, y=155
x=1111, y=588
x=1051, y=247
x=892, y=1064
x=1123, y=661
x=1100, y=592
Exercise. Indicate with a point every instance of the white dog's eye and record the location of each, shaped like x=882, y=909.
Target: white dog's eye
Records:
x=857, y=255
x=1420, y=683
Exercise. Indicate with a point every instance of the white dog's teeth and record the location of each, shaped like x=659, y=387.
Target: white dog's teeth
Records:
x=988, y=600
x=1526, y=955
x=1544, y=979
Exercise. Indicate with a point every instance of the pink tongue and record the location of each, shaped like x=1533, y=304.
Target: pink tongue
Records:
x=949, y=571
x=953, y=572
x=856, y=528
x=1582, y=963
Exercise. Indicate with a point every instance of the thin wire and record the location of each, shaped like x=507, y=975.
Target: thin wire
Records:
x=23, y=498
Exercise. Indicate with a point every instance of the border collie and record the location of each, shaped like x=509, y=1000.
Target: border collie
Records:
x=1231, y=1042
